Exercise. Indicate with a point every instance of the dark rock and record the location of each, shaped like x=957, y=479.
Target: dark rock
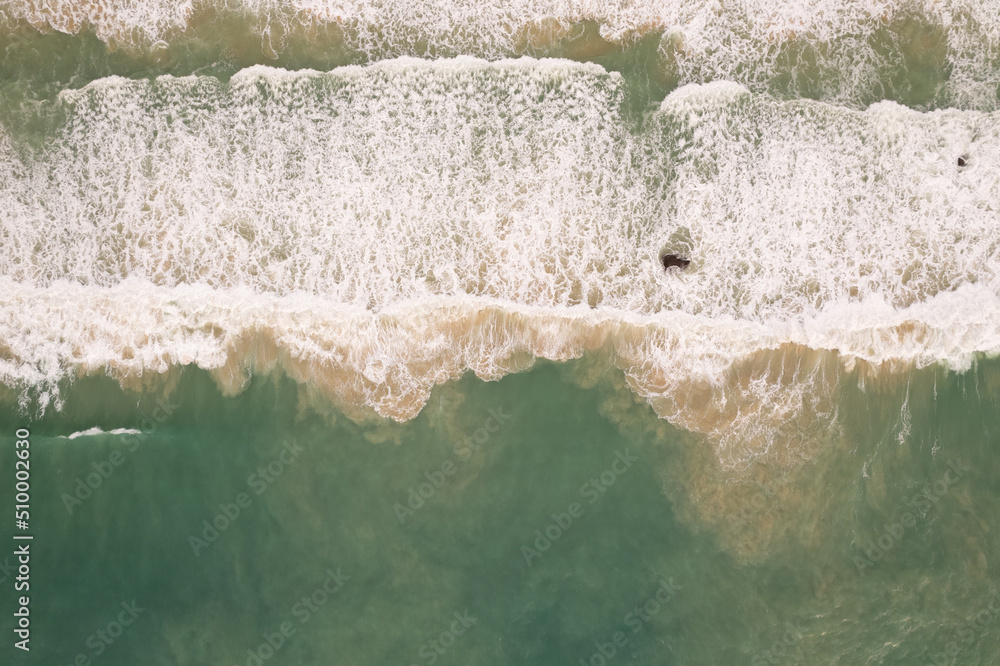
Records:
x=962, y=161
x=671, y=260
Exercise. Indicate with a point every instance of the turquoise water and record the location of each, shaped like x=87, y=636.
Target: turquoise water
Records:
x=745, y=554
x=341, y=333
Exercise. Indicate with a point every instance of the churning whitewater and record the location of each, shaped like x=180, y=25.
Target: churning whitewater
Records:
x=933, y=53
x=377, y=230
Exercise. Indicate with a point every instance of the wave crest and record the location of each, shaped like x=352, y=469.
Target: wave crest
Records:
x=918, y=52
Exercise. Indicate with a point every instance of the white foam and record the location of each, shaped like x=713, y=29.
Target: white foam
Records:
x=705, y=374
x=835, y=49
x=96, y=431
x=378, y=230
x=827, y=49
x=798, y=206
x=700, y=96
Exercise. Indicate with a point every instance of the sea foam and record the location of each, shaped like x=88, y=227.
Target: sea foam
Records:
x=376, y=231
x=830, y=49
x=97, y=431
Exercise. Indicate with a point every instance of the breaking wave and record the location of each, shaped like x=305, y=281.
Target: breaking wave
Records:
x=918, y=52
x=376, y=231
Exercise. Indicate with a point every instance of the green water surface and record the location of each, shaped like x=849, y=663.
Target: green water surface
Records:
x=335, y=507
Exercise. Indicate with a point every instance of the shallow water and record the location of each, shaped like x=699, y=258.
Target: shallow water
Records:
x=773, y=558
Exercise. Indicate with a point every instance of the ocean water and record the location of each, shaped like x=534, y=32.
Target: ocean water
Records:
x=340, y=333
